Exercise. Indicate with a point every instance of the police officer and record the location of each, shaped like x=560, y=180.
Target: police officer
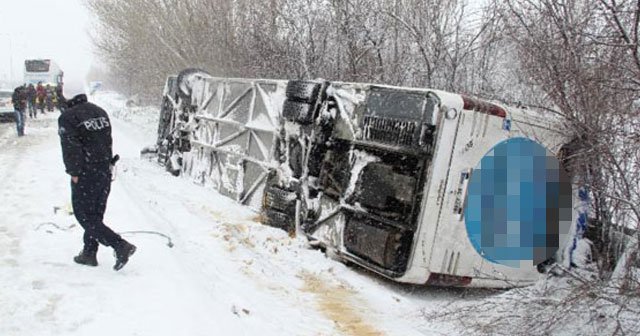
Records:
x=85, y=136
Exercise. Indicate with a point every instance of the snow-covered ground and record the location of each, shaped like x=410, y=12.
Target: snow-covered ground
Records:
x=226, y=274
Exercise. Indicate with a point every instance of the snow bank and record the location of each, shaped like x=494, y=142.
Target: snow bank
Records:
x=144, y=119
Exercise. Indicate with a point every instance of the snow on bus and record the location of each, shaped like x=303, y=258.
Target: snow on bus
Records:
x=419, y=185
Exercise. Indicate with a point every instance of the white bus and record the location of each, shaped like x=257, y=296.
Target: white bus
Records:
x=42, y=70
x=421, y=186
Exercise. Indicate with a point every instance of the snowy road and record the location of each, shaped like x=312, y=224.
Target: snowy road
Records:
x=226, y=274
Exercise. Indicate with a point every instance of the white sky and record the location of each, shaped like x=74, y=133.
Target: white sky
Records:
x=54, y=29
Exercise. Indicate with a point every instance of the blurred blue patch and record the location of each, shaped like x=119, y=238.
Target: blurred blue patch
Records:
x=514, y=210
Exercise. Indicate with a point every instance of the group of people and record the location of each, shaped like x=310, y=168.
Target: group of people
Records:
x=31, y=98
x=40, y=97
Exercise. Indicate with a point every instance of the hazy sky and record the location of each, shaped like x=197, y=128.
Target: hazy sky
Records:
x=54, y=29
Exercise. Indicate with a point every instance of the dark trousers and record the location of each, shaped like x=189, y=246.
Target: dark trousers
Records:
x=32, y=108
x=20, y=122
x=89, y=199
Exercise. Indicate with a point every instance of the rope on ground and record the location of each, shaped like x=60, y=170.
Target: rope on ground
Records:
x=169, y=241
x=61, y=228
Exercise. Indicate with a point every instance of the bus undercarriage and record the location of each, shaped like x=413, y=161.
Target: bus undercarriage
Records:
x=376, y=175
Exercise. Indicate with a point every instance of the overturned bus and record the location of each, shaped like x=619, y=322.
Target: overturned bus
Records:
x=421, y=186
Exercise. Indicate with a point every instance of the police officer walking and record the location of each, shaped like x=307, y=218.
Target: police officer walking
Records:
x=85, y=137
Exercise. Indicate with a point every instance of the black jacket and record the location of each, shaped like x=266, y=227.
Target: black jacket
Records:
x=31, y=93
x=19, y=98
x=85, y=135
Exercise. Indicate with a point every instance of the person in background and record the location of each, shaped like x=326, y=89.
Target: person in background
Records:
x=85, y=137
x=19, y=101
x=41, y=96
x=60, y=97
x=31, y=100
x=49, y=99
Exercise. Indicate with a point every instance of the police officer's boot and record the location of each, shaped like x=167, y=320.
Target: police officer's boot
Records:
x=87, y=257
x=123, y=250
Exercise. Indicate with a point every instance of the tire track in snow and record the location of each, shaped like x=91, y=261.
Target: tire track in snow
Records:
x=15, y=148
x=10, y=158
x=25, y=293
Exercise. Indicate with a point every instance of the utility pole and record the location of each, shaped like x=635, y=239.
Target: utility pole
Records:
x=10, y=57
x=10, y=61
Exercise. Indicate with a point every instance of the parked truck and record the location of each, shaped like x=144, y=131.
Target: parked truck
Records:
x=393, y=179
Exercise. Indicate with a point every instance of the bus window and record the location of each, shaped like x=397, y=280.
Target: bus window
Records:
x=37, y=65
